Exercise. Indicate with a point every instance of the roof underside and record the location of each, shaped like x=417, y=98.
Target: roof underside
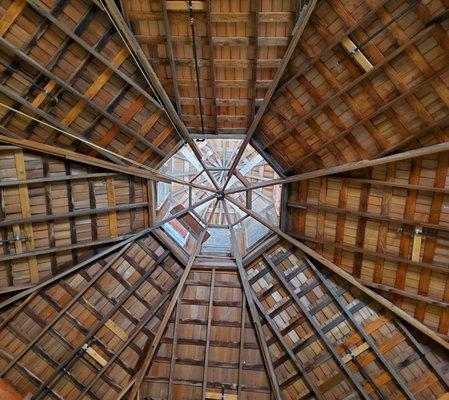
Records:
x=144, y=148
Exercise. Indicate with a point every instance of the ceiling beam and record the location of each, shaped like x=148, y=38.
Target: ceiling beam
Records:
x=40, y=10
x=80, y=96
x=144, y=65
x=296, y=35
x=367, y=338
x=346, y=276
x=52, y=123
x=212, y=62
x=168, y=312
x=290, y=289
x=384, y=108
x=354, y=82
x=252, y=308
x=117, y=246
x=147, y=173
x=169, y=48
x=423, y=151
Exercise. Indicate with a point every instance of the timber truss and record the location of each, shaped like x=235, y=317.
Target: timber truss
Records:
x=98, y=301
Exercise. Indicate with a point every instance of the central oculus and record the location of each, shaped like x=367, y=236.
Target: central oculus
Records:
x=217, y=157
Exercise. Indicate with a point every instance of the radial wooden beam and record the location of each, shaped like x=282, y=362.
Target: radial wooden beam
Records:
x=147, y=173
x=52, y=122
x=252, y=308
x=96, y=257
x=374, y=114
x=137, y=329
x=140, y=58
x=296, y=35
x=423, y=151
x=168, y=312
x=368, y=339
x=74, y=299
x=343, y=274
x=317, y=327
x=169, y=49
x=212, y=63
x=68, y=360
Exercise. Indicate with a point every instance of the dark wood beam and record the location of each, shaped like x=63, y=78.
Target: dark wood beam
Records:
x=368, y=215
x=354, y=82
x=406, y=155
x=252, y=308
x=147, y=173
x=212, y=63
x=368, y=339
x=169, y=48
x=346, y=276
x=70, y=89
x=316, y=326
x=141, y=60
x=69, y=32
x=97, y=256
x=72, y=214
x=296, y=35
x=163, y=325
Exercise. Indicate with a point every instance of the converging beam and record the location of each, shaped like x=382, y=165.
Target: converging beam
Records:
x=252, y=308
x=168, y=312
x=146, y=172
x=111, y=249
x=296, y=35
x=423, y=151
x=142, y=62
x=343, y=274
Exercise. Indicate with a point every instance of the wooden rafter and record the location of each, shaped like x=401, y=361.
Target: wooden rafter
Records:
x=131, y=41
x=252, y=309
x=163, y=325
x=71, y=155
x=296, y=35
x=405, y=155
x=343, y=274
x=119, y=245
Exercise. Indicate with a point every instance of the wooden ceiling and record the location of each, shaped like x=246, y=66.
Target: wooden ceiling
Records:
x=239, y=45
x=347, y=100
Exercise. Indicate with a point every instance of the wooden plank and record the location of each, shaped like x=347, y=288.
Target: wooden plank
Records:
x=12, y=13
x=116, y=329
x=26, y=213
x=112, y=215
x=208, y=331
x=173, y=352
x=95, y=355
x=219, y=396
x=357, y=54
x=416, y=246
x=351, y=166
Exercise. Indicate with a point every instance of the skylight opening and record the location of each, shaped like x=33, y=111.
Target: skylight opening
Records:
x=217, y=156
